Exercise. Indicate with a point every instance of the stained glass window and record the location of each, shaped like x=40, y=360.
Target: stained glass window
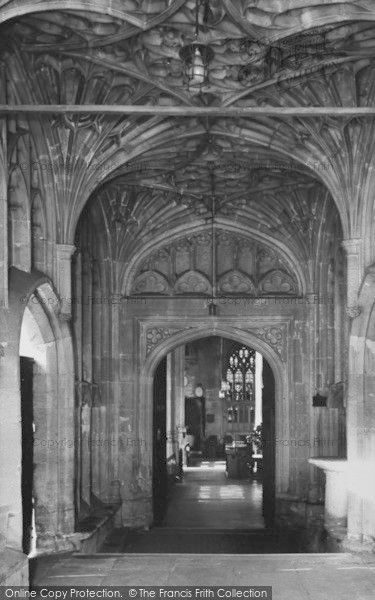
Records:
x=239, y=375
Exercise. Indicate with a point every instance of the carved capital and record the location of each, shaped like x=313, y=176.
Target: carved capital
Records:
x=353, y=311
x=116, y=298
x=64, y=253
x=351, y=246
x=65, y=317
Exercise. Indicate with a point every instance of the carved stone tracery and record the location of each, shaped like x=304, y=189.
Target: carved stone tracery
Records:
x=275, y=336
x=242, y=267
x=156, y=335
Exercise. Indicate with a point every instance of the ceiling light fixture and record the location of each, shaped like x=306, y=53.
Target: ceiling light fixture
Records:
x=197, y=55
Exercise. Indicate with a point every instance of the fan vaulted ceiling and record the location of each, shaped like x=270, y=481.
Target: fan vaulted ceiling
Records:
x=275, y=176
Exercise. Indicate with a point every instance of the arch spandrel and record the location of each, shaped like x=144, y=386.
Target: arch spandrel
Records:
x=268, y=336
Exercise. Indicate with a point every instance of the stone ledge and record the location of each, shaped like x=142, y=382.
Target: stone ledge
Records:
x=91, y=541
x=91, y=534
x=14, y=567
x=330, y=464
x=360, y=546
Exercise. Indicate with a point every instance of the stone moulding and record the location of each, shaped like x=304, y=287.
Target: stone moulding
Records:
x=275, y=335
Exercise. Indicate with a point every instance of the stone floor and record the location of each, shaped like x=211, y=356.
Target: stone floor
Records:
x=293, y=577
x=207, y=513
x=207, y=498
x=213, y=534
x=197, y=541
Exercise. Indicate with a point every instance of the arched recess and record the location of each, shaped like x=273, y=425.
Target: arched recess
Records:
x=33, y=328
x=181, y=232
x=19, y=220
x=228, y=329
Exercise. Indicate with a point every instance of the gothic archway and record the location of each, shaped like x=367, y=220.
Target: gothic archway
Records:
x=202, y=422
x=36, y=332
x=180, y=333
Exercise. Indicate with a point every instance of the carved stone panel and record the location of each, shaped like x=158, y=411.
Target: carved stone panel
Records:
x=155, y=335
x=151, y=282
x=274, y=336
x=236, y=282
x=277, y=281
x=242, y=267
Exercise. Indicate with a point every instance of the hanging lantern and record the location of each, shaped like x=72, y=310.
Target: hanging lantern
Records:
x=196, y=58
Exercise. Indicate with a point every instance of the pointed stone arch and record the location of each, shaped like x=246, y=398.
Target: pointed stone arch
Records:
x=157, y=339
x=35, y=306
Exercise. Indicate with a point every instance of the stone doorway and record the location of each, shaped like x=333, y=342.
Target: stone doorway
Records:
x=27, y=419
x=40, y=431
x=159, y=337
x=179, y=472
x=47, y=427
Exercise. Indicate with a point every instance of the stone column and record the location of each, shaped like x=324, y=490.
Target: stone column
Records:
x=258, y=388
x=360, y=410
x=64, y=254
x=179, y=401
x=3, y=219
x=86, y=307
x=114, y=397
x=353, y=248
x=10, y=445
x=3, y=198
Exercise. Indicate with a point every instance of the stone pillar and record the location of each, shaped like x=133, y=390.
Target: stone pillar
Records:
x=99, y=447
x=14, y=565
x=10, y=446
x=169, y=432
x=353, y=248
x=87, y=360
x=3, y=197
x=3, y=215
x=64, y=254
x=179, y=429
x=174, y=400
x=114, y=397
x=258, y=388
x=361, y=415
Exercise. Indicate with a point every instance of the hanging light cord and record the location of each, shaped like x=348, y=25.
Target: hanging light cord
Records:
x=213, y=244
x=196, y=19
x=206, y=11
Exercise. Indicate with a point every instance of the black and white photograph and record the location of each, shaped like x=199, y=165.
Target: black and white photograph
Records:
x=187, y=299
